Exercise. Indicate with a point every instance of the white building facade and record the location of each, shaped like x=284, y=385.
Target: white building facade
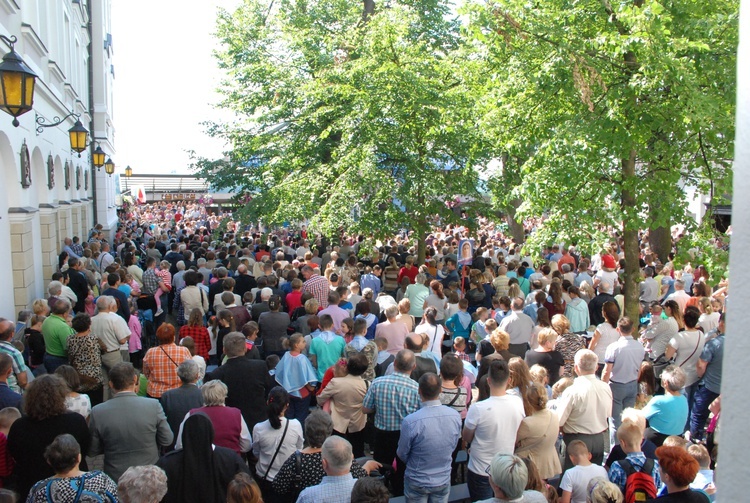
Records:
x=48, y=192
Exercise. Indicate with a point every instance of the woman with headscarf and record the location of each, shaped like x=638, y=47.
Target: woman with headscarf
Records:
x=200, y=471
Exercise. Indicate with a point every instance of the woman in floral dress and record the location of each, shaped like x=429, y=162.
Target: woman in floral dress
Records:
x=85, y=356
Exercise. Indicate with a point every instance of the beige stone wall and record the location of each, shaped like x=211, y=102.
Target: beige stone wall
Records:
x=22, y=257
x=51, y=242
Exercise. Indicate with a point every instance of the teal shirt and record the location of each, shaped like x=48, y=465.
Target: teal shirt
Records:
x=327, y=348
x=667, y=414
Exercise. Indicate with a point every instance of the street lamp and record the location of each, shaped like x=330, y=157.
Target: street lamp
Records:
x=109, y=166
x=78, y=134
x=128, y=174
x=98, y=157
x=16, y=82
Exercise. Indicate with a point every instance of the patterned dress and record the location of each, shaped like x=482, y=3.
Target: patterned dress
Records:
x=568, y=344
x=90, y=487
x=86, y=357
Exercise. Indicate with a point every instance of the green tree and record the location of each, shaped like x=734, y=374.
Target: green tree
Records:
x=355, y=116
x=622, y=102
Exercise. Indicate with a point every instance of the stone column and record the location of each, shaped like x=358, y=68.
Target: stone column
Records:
x=51, y=241
x=75, y=218
x=735, y=407
x=63, y=214
x=22, y=256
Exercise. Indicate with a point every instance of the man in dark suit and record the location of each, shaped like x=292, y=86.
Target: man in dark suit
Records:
x=217, y=287
x=179, y=401
x=123, y=309
x=244, y=282
x=127, y=429
x=246, y=380
x=78, y=283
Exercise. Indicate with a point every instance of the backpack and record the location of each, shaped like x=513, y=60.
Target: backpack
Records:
x=639, y=485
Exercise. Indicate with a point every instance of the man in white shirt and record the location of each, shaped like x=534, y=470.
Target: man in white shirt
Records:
x=519, y=326
x=584, y=408
x=623, y=359
x=112, y=332
x=490, y=427
x=649, y=287
x=679, y=295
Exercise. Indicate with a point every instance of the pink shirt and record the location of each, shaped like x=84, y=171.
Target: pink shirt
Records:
x=165, y=277
x=134, y=343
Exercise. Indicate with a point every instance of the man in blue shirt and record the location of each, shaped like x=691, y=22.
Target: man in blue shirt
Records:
x=428, y=438
x=709, y=367
x=337, y=485
x=370, y=280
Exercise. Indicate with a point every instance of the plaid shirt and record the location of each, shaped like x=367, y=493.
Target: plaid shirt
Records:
x=18, y=364
x=462, y=356
x=201, y=338
x=392, y=397
x=331, y=490
x=160, y=367
x=150, y=282
x=319, y=287
x=618, y=476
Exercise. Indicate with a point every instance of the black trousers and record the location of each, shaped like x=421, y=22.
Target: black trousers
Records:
x=386, y=444
x=357, y=439
x=594, y=442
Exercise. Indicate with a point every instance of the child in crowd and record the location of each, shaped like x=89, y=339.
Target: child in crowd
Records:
x=478, y=329
x=35, y=343
x=459, y=349
x=453, y=298
x=460, y=323
x=250, y=331
x=162, y=272
x=327, y=347
x=347, y=329
x=134, y=342
x=630, y=436
x=344, y=303
x=576, y=480
x=189, y=343
x=8, y=416
x=384, y=357
x=540, y=375
x=704, y=481
x=297, y=376
x=355, y=296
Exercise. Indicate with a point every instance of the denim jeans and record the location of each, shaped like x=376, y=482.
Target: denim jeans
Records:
x=417, y=494
x=299, y=408
x=51, y=362
x=623, y=396
x=479, y=486
x=702, y=399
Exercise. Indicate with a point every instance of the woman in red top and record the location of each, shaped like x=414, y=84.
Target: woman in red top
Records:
x=198, y=332
x=294, y=298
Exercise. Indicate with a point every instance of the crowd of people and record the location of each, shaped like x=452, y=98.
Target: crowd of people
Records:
x=252, y=364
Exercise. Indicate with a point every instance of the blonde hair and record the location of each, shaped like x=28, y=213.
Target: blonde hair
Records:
x=500, y=340
x=602, y=490
x=635, y=416
x=547, y=335
x=630, y=434
x=539, y=374
x=706, y=305
x=560, y=386
x=561, y=324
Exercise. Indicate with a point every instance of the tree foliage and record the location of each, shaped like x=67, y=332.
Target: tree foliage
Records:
x=358, y=121
x=618, y=103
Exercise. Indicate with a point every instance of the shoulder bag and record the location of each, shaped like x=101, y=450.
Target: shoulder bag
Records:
x=278, y=448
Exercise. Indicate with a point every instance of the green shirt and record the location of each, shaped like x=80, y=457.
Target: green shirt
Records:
x=56, y=332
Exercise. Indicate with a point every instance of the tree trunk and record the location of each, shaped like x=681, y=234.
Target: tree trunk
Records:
x=515, y=227
x=421, y=232
x=660, y=241
x=369, y=9
x=630, y=237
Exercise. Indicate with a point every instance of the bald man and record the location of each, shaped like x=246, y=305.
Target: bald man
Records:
x=244, y=282
x=423, y=364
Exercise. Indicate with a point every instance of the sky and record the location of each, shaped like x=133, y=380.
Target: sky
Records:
x=165, y=82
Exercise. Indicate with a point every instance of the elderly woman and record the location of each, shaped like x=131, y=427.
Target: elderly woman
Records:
x=567, y=343
x=63, y=455
x=142, y=484
x=230, y=428
x=546, y=355
x=347, y=394
x=667, y=414
x=275, y=440
x=46, y=417
x=678, y=469
x=537, y=434
x=85, y=357
x=498, y=342
x=201, y=469
x=508, y=476
x=160, y=363
x=318, y=427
